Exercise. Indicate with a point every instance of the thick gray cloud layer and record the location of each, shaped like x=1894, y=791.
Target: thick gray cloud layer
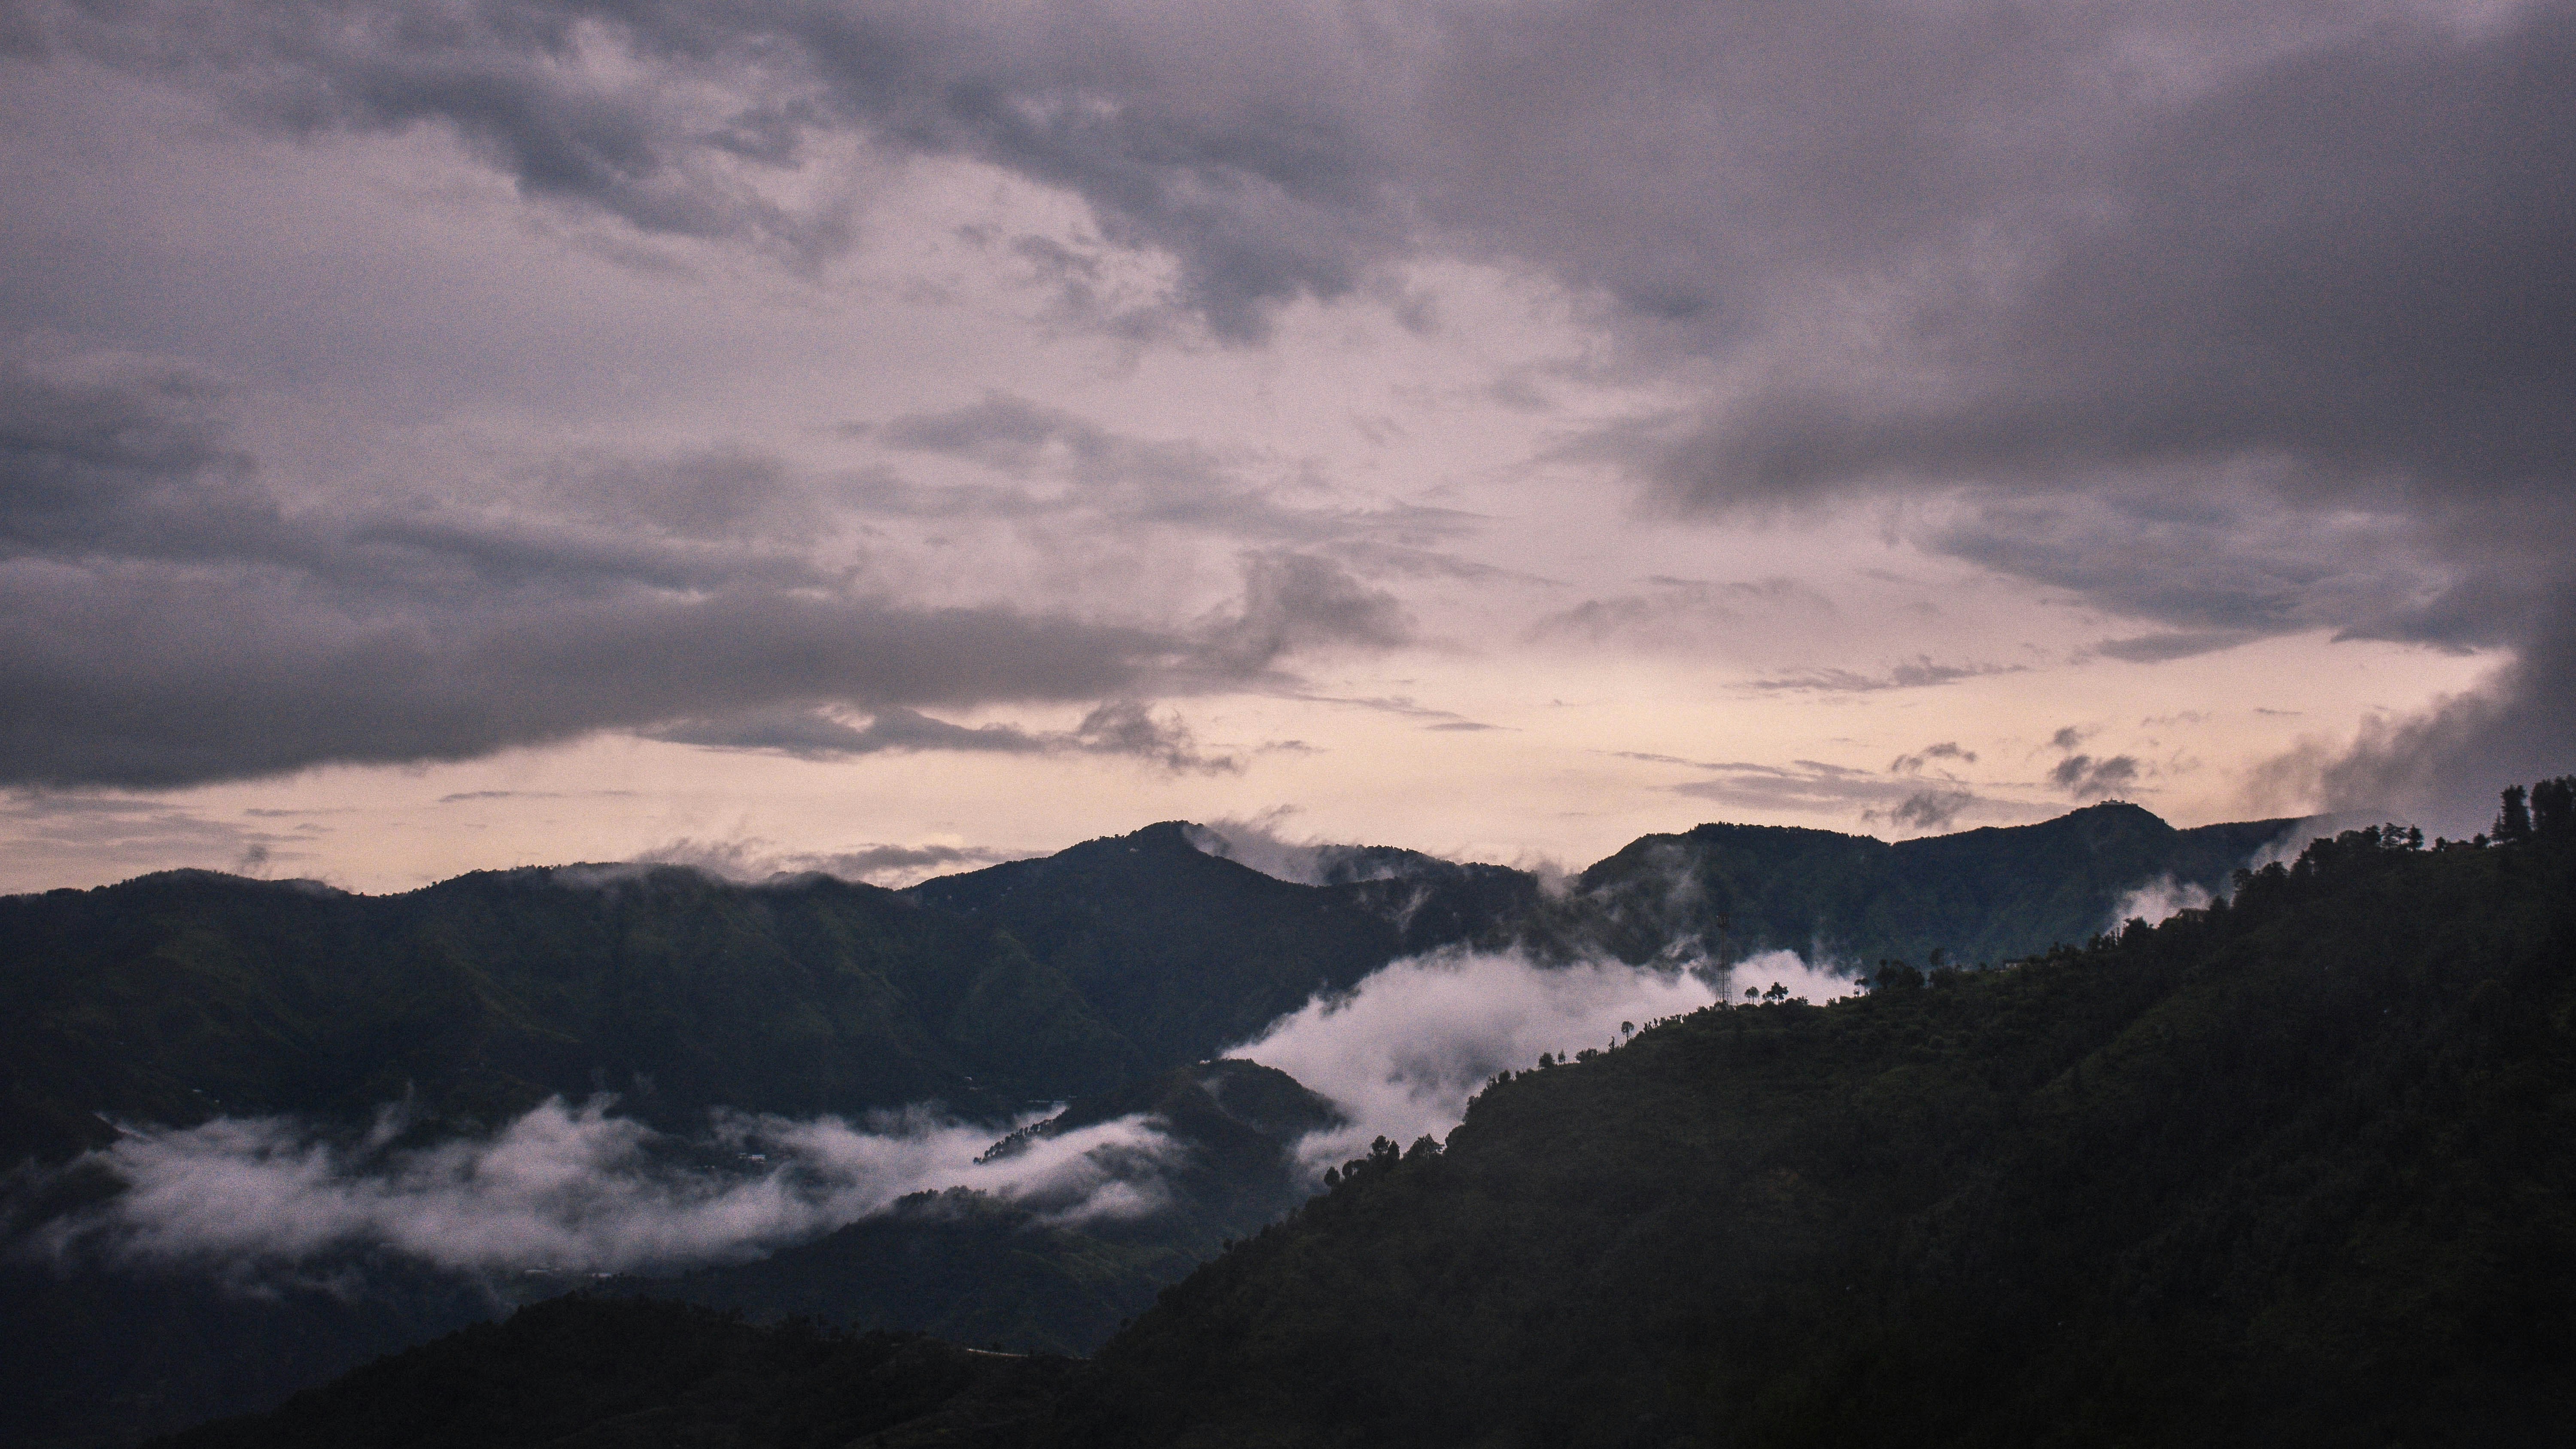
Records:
x=170, y=622
x=2230, y=318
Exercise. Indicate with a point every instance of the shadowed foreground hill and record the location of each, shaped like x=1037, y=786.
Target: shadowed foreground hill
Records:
x=2292, y=1171
x=2295, y=1170
x=604, y=1374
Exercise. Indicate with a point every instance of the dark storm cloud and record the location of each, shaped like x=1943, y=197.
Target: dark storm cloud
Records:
x=2355, y=260
x=1217, y=138
x=124, y=457
x=2173, y=644
x=169, y=624
x=1810, y=787
x=2350, y=265
x=756, y=860
x=1914, y=763
x=2087, y=778
x=868, y=862
x=2246, y=564
x=1126, y=727
x=2335, y=292
x=2445, y=765
x=1296, y=601
x=119, y=676
x=1928, y=810
x=2228, y=317
x=813, y=735
x=1123, y=727
x=1918, y=673
x=1816, y=788
x=1679, y=613
x=719, y=492
x=1900, y=797
x=118, y=828
x=1062, y=464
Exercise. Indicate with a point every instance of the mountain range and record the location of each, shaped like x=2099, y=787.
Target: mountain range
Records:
x=2291, y=1169
x=1111, y=975
x=176, y=997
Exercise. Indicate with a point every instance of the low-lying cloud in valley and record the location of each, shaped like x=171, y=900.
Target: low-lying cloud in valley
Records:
x=568, y=1188
x=1402, y=1052
x=582, y=1188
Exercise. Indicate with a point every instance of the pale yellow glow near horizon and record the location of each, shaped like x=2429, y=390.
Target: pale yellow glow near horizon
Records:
x=1552, y=781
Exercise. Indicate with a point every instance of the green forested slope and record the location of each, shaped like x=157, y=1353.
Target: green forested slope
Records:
x=2295, y=1171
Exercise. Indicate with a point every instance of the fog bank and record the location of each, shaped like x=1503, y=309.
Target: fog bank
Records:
x=573, y=1188
x=1401, y=1052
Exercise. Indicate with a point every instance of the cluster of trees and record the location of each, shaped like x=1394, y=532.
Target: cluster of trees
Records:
x=2548, y=810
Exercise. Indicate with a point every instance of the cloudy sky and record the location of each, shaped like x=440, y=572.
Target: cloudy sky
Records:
x=888, y=436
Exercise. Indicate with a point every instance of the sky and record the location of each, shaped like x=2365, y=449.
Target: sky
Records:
x=887, y=438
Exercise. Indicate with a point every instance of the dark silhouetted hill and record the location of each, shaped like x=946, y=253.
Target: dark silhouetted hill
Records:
x=1977, y=896
x=1189, y=953
x=610, y=1374
x=2296, y=1170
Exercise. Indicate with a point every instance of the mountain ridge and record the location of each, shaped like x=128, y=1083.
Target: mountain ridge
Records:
x=177, y=995
x=2295, y=1168
x=181, y=997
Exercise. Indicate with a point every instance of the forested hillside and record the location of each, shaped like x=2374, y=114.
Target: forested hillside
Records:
x=1977, y=896
x=1190, y=953
x=175, y=997
x=1102, y=975
x=2293, y=1170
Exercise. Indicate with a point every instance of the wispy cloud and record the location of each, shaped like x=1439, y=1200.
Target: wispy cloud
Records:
x=1401, y=1052
x=1919, y=673
x=752, y=860
x=563, y=1187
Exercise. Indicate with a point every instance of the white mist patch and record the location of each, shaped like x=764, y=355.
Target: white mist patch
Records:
x=570, y=1188
x=1256, y=843
x=1755, y=979
x=1401, y=1052
x=2158, y=900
